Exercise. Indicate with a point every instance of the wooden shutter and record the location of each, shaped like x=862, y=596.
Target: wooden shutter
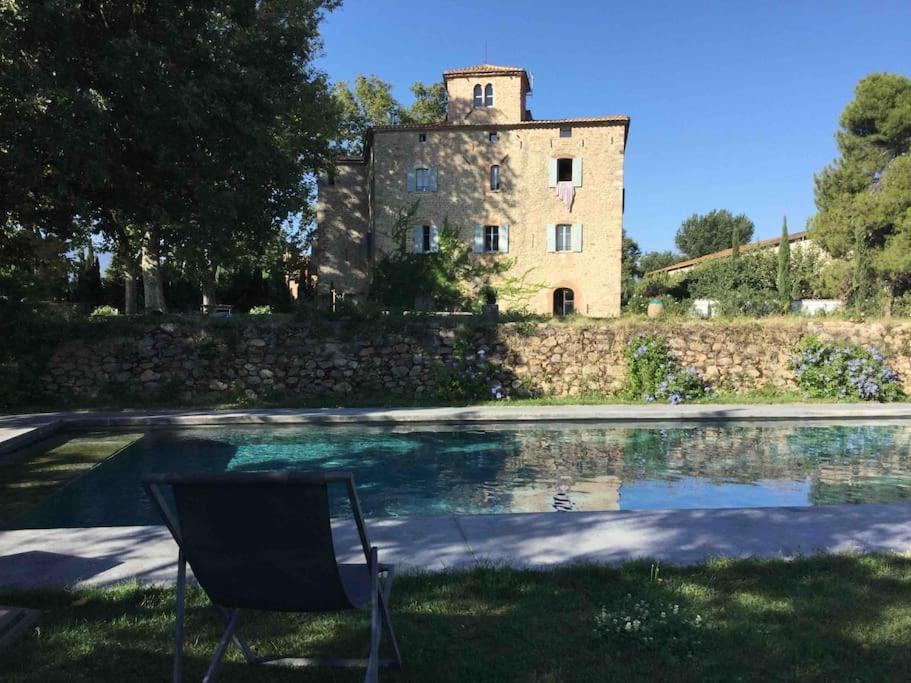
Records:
x=479, y=239
x=552, y=173
x=433, y=179
x=411, y=181
x=503, y=239
x=434, y=239
x=551, y=237
x=577, y=171
x=577, y=237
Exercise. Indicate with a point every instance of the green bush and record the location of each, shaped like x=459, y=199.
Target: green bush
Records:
x=653, y=375
x=843, y=370
x=261, y=310
x=104, y=312
x=468, y=374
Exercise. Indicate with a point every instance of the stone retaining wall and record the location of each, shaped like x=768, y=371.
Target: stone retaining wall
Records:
x=196, y=363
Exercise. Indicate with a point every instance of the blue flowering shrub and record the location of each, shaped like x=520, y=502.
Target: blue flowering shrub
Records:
x=653, y=374
x=469, y=375
x=843, y=370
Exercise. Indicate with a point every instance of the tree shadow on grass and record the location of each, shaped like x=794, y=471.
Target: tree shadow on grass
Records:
x=828, y=618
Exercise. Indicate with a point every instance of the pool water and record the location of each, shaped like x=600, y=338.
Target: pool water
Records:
x=444, y=469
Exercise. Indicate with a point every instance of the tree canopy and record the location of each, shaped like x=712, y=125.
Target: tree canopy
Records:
x=863, y=198
x=653, y=260
x=184, y=129
x=371, y=103
x=704, y=234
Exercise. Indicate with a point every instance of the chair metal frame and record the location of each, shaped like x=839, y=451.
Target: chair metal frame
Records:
x=381, y=577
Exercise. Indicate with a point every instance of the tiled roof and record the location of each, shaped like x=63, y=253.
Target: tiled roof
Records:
x=516, y=124
x=483, y=69
x=774, y=242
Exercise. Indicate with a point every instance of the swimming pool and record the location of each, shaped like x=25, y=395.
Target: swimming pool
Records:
x=445, y=469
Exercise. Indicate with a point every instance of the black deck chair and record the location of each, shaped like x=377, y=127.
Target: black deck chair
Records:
x=264, y=541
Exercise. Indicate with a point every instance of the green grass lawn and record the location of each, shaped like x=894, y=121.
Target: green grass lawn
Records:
x=30, y=475
x=830, y=618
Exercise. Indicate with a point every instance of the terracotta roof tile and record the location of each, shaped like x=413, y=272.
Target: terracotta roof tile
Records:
x=483, y=69
x=773, y=242
x=516, y=124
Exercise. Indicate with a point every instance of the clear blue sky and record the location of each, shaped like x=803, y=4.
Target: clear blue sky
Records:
x=734, y=104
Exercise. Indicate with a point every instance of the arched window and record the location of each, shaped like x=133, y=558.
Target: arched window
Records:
x=494, y=177
x=488, y=95
x=478, y=102
x=563, y=301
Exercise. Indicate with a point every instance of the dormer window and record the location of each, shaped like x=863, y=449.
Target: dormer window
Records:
x=478, y=98
x=488, y=95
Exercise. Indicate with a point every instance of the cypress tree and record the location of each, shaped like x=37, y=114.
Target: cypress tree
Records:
x=784, y=268
x=735, y=242
x=864, y=278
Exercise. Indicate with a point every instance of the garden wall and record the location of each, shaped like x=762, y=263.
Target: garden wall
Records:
x=184, y=362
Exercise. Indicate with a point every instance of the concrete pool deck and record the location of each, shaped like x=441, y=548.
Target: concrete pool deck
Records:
x=105, y=555
x=17, y=431
x=101, y=556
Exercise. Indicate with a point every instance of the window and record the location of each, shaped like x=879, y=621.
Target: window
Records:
x=564, y=301
x=426, y=239
x=488, y=95
x=330, y=177
x=564, y=170
x=494, y=178
x=478, y=101
x=493, y=137
x=422, y=179
x=564, y=238
x=566, y=132
x=491, y=238
x=368, y=245
x=422, y=137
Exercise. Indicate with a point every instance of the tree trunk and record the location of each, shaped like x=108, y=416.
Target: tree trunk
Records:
x=130, y=294
x=208, y=291
x=152, y=280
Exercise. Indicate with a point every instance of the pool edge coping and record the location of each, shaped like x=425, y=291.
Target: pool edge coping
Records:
x=30, y=428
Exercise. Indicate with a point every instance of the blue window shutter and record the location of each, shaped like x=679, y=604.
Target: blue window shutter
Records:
x=479, y=239
x=551, y=237
x=577, y=237
x=503, y=238
x=552, y=173
x=412, y=183
x=577, y=171
x=434, y=239
x=433, y=179
x=417, y=237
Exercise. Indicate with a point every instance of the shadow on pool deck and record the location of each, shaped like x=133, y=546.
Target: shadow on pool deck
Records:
x=105, y=555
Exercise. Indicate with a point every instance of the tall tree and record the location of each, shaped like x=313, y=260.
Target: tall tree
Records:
x=629, y=266
x=188, y=126
x=784, y=268
x=655, y=260
x=864, y=197
x=371, y=103
x=705, y=234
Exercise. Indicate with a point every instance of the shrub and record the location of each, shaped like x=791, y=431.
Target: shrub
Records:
x=104, y=312
x=648, y=626
x=843, y=370
x=261, y=310
x=468, y=375
x=653, y=374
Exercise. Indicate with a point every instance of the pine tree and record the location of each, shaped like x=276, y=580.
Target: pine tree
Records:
x=784, y=268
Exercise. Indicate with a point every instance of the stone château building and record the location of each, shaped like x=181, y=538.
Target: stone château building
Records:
x=547, y=194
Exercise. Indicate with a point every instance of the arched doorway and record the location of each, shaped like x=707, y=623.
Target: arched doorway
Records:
x=564, y=301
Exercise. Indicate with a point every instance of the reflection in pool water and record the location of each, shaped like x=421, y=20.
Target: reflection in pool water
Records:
x=530, y=468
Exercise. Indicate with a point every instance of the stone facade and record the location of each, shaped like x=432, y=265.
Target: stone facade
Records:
x=189, y=363
x=356, y=213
